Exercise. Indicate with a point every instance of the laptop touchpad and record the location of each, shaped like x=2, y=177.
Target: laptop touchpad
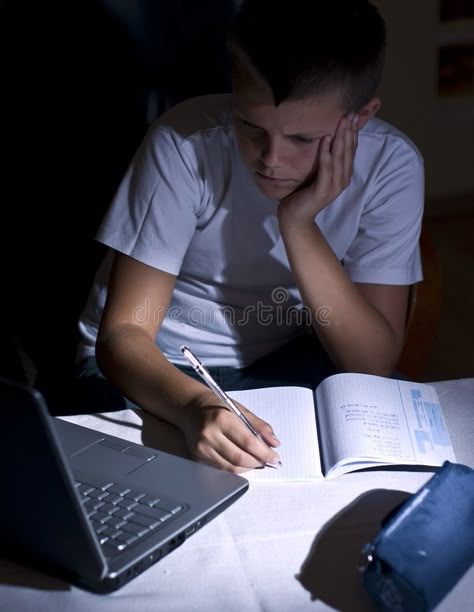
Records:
x=111, y=456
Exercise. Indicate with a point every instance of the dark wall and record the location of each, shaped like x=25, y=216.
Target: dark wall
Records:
x=81, y=81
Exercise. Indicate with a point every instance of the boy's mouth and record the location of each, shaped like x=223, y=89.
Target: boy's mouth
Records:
x=272, y=179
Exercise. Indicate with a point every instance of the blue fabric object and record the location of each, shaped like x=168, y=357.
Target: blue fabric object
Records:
x=426, y=545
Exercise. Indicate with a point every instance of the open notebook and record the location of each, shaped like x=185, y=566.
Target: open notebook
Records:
x=352, y=421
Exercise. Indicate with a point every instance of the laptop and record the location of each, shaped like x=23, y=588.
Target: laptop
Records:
x=91, y=508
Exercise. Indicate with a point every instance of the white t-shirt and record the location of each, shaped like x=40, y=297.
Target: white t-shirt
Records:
x=188, y=206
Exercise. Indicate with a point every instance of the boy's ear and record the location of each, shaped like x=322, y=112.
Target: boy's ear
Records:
x=368, y=111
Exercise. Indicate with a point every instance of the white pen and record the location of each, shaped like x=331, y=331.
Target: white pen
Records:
x=222, y=395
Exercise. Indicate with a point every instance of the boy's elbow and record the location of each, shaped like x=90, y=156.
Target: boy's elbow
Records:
x=370, y=364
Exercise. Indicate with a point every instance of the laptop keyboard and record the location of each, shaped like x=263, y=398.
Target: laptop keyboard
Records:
x=121, y=516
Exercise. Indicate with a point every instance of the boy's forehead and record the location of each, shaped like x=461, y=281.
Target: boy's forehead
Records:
x=253, y=96
x=309, y=114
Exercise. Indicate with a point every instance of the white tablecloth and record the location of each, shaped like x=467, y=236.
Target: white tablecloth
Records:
x=283, y=547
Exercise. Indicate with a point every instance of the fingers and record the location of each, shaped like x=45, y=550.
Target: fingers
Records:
x=352, y=137
x=243, y=448
x=231, y=456
x=214, y=458
x=224, y=441
x=323, y=186
x=234, y=453
x=331, y=173
x=263, y=428
x=343, y=150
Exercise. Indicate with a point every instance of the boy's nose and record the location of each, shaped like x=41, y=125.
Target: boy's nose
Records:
x=271, y=154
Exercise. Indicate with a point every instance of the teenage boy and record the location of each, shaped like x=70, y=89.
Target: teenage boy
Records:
x=246, y=220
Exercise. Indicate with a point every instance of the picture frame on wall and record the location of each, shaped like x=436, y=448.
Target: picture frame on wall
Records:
x=456, y=50
x=454, y=10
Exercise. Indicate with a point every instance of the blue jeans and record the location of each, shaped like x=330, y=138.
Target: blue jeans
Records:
x=302, y=362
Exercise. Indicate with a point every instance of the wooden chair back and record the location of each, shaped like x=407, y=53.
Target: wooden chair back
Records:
x=424, y=313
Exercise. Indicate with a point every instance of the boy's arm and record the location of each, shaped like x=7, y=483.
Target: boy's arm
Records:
x=137, y=302
x=360, y=325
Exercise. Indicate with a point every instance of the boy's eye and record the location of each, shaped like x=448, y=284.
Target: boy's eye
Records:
x=250, y=125
x=303, y=140
x=296, y=138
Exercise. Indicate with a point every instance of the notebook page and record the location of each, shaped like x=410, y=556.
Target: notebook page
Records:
x=372, y=418
x=290, y=411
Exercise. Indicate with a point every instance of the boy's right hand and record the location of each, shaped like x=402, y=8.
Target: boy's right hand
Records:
x=217, y=437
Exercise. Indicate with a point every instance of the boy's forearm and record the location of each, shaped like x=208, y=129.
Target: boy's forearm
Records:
x=355, y=334
x=133, y=363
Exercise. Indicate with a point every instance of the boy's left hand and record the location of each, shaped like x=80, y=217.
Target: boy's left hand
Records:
x=333, y=173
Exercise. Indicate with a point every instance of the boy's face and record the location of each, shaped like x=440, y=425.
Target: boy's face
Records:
x=279, y=144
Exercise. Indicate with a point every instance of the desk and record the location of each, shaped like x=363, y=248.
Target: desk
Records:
x=285, y=547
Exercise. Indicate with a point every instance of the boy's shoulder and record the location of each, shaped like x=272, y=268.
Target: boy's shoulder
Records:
x=382, y=134
x=197, y=115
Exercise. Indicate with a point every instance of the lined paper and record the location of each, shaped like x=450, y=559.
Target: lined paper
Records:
x=373, y=419
x=291, y=413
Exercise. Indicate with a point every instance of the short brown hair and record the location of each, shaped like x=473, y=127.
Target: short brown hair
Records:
x=313, y=47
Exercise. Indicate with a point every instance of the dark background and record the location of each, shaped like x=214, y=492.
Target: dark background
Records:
x=81, y=81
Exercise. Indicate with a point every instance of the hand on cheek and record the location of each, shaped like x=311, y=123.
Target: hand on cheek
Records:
x=343, y=149
x=333, y=173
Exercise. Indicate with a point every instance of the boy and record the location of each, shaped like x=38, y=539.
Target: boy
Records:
x=244, y=221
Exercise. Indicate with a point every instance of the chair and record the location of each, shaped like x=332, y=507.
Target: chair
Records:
x=424, y=313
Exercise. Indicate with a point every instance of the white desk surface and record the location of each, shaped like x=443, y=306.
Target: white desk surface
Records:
x=284, y=547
